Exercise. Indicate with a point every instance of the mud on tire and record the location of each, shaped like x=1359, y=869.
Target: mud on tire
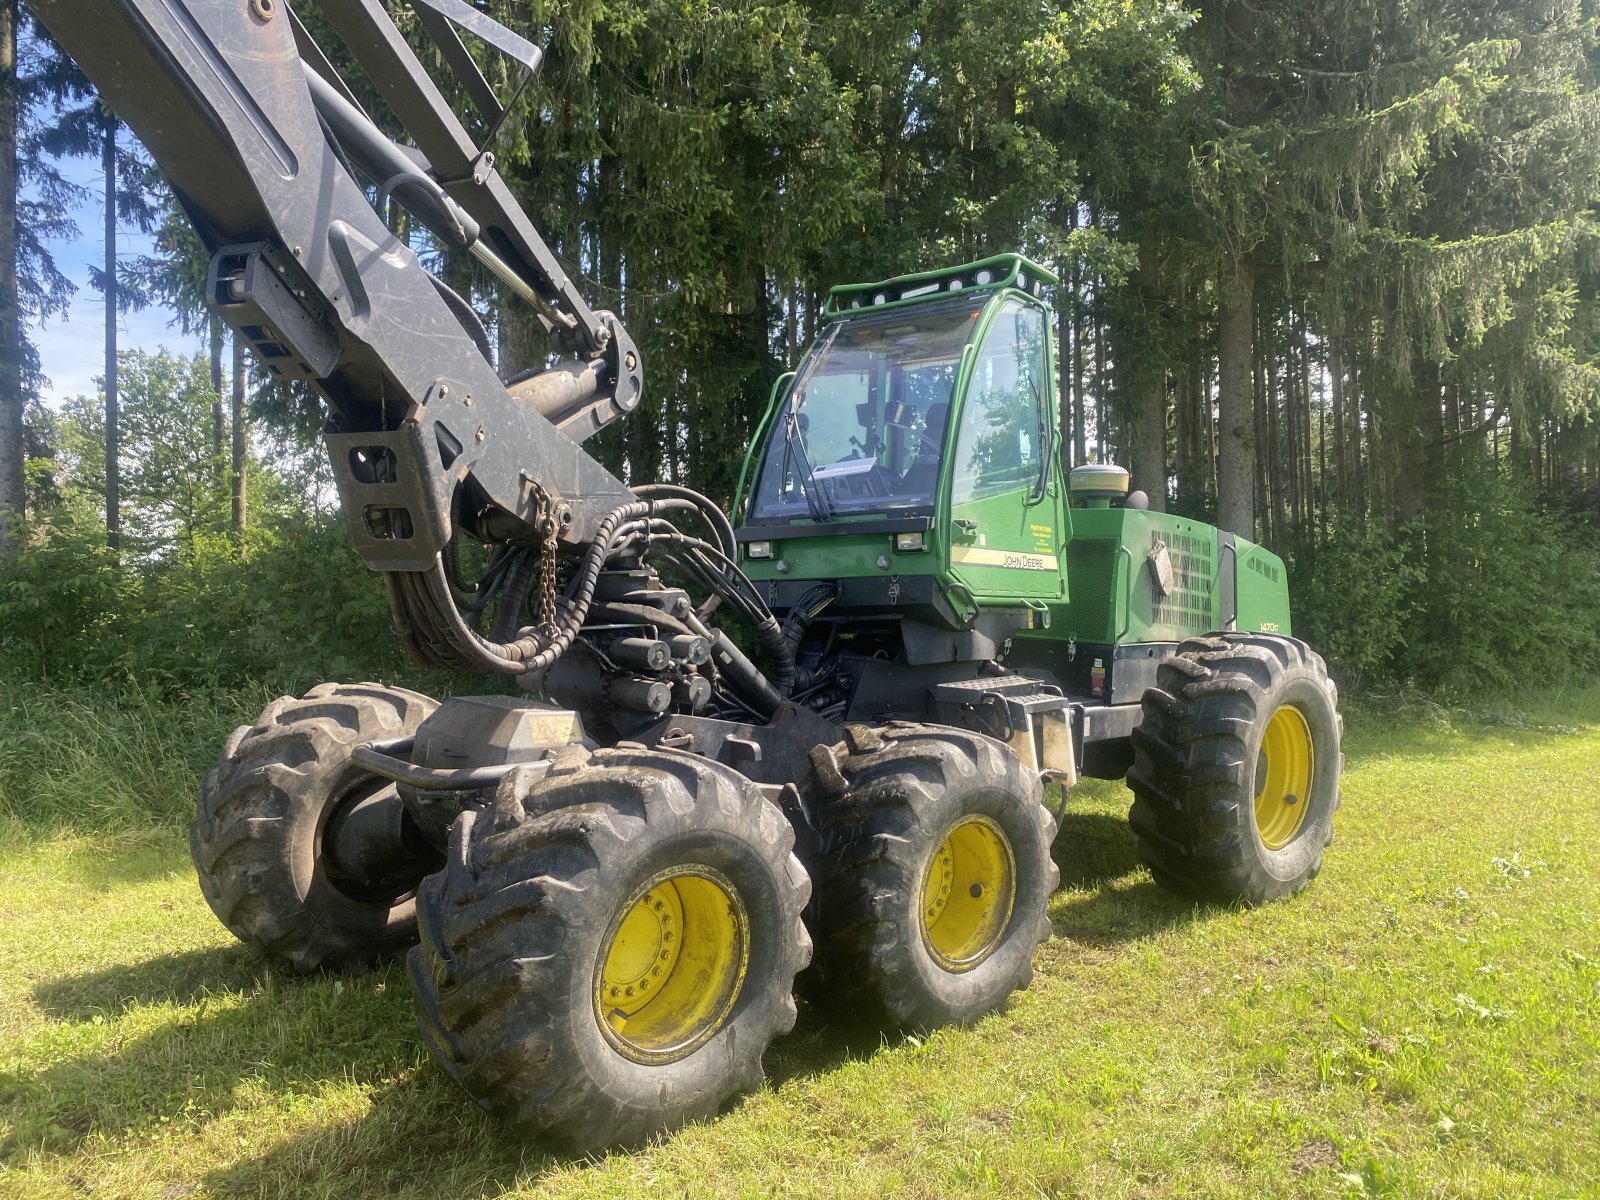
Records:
x=911, y=810
x=563, y=905
x=256, y=839
x=1236, y=726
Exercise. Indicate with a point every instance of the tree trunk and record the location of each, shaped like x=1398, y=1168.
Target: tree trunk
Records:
x=1066, y=297
x=108, y=162
x=1183, y=443
x=1080, y=430
x=1413, y=462
x=1265, y=509
x=1148, y=435
x=13, y=483
x=1341, y=481
x=1236, y=438
x=1102, y=453
x=1063, y=381
x=1188, y=422
x=241, y=442
x=218, y=417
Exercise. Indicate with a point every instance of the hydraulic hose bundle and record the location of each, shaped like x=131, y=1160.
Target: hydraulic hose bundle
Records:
x=441, y=630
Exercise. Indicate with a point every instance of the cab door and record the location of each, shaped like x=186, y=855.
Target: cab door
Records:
x=1004, y=528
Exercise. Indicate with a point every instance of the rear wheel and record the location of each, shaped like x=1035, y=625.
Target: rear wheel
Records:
x=1236, y=769
x=933, y=874
x=300, y=851
x=610, y=951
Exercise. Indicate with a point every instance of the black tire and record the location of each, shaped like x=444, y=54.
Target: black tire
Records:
x=257, y=838
x=897, y=798
x=1200, y=774
x=509, y=975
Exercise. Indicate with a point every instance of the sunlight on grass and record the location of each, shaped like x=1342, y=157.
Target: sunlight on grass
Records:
x=1424, y=1021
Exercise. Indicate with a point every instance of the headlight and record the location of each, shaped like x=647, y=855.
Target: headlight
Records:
x=758, y=550
x=909, y=541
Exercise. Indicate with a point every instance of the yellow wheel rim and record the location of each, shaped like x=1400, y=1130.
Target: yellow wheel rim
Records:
x=1283, y=778
x=967, y=894
x=672, y=964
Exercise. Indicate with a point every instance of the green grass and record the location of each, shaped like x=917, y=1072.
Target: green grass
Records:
x=1425, y=1021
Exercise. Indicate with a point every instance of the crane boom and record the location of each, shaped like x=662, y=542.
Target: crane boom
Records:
x=264, y=147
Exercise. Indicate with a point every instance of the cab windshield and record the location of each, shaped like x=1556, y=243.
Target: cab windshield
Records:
x=864, y=423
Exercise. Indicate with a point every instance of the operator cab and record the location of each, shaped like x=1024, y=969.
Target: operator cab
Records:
x=910, y=464
x=866, y=426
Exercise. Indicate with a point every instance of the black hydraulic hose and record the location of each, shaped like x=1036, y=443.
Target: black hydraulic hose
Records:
x=806, y=609
x=714, y=516
x=781, y=652
x=515, y=593
x=466, y=314
x=766, y=627
x=724, y=569
x=532, y=651
x=446, y=639
x=799, y=621
x=665, y=494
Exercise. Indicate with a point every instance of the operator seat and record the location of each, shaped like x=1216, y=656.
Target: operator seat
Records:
x=922, y=476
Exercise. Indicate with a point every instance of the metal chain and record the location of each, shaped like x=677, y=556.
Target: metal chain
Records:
x=547, y=568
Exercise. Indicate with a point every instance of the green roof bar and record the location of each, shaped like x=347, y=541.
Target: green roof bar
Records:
x=1003, y=270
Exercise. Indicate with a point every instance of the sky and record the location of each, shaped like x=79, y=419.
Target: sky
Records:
x=72, y=348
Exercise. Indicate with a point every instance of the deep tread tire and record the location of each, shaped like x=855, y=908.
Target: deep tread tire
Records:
x=896, y=792
x=256, y=837
x=514, y=926
x=1195, y=760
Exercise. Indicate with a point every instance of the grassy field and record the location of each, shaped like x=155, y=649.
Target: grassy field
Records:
x=1425, y=1021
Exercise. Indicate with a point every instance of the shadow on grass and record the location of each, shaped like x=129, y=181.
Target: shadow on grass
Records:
x=248, y=1035
x=1098, y=855
x=1094, y=848
x=240, y=1026
x=825, y=1037
x=178, y=979
x=423, y=1137
x=245, y=1031
x=1112, y=916
x=420, y=1137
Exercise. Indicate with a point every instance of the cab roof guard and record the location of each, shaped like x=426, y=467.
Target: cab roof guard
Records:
x=997, y=271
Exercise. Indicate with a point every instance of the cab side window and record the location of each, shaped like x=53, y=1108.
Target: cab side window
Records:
x=1003, y=421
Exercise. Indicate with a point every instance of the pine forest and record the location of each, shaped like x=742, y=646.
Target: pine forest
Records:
x=1329, y=274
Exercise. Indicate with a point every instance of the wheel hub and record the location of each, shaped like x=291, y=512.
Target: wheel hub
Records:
x=672, y=964
x=1283, y=777
x=967, y=894
x=368, y=847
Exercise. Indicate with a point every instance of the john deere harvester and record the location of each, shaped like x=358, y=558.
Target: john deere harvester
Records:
x=610, y=873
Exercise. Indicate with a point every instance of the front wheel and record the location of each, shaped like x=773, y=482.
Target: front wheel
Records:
x=609, y=952
x=934, y=873
x=299, y=850
x=1236, y=768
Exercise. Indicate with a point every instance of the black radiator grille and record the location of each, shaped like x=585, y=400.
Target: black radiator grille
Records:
x=1091, y=588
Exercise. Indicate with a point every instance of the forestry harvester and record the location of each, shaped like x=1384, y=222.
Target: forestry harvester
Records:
x=610, y=878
